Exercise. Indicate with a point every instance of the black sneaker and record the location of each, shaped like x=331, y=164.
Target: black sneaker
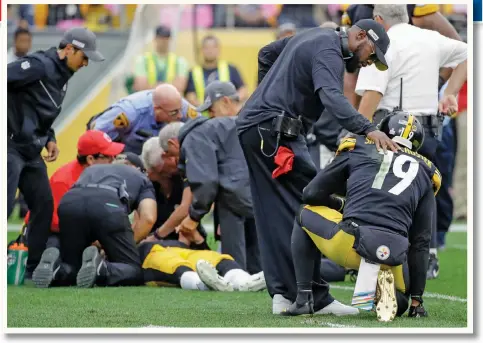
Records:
x=433, y=268
x=417, y=311
x=48, y=266
x=296, y=309
x=89, y=271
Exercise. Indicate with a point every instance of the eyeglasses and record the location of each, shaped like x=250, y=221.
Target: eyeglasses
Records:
x=171, y=113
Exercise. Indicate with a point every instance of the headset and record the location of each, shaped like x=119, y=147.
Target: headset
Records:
x=344, y=42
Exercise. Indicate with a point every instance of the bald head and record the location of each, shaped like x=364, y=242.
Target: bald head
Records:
x=167, y=103
x=165, y=94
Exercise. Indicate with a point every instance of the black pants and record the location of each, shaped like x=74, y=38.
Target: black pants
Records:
x=90, y=214
x=239, y=238
x=445, y=160
x=275, y=204
x=30, y=176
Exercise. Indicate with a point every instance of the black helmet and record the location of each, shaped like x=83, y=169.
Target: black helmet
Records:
x=403, y=128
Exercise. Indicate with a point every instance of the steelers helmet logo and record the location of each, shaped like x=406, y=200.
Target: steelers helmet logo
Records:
x=383, y=252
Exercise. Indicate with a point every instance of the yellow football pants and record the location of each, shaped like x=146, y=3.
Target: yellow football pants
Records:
x=322, y=225
x=162, y=262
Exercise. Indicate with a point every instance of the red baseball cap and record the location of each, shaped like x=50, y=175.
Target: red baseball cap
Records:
x=94, y=142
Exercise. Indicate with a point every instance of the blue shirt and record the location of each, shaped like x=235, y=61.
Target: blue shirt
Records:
x=131, y=120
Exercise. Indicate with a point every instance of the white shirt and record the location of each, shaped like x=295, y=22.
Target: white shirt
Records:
x=415, y=55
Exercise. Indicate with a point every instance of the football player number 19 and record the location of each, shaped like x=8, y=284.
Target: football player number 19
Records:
x=397, y=169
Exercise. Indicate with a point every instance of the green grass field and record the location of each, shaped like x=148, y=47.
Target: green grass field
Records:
x=171, y=307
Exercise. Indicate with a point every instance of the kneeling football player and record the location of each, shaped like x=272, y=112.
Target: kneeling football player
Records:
x=171, y=263
x=387, y=218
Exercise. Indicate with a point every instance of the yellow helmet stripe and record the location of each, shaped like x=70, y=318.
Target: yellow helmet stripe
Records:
x=408, y=127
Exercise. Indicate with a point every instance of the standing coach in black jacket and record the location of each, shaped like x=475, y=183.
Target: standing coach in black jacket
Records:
x=36, y=87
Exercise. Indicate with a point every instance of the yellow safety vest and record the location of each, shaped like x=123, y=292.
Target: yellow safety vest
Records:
x=199, y=80
x=152, y=70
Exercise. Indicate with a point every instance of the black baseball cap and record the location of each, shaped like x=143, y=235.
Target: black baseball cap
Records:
x=163, y=31
x=376, y=33
x=217, y=90
x=85, y=40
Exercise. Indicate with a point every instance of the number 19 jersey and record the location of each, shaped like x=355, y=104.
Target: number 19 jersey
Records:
x=385, y=189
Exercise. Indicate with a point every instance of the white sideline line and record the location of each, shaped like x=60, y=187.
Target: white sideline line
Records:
x=426, y=294
x=331, y=325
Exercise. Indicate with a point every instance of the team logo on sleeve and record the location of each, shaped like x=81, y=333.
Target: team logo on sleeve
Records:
x=121, y=121
x=383, y=252
x=25, y=65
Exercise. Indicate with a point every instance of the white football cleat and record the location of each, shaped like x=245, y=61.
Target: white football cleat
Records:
x=254, y=284
x=210, y=277
x=279, y=304
x=338, y=309
x=386, y=307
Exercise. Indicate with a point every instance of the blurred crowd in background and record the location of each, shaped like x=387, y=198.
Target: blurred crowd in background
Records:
x=107, y=17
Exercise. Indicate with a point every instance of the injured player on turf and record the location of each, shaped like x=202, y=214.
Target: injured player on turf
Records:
x=170, y=263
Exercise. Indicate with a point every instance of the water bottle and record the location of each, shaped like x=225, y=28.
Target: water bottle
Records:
x=16, y=262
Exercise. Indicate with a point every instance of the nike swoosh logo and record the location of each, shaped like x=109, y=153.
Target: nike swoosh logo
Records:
x=55, y=272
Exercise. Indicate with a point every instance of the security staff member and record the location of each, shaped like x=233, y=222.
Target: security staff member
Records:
x=36, y=86
x=211, y=160
x=415, y=56
x=305, y=79
x=425, y=16
x=139, y=116
x=212, y=69
x=159, y=66
x=96, y=208
x=387, y=217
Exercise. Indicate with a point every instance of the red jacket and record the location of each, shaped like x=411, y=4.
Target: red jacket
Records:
x=60, y=182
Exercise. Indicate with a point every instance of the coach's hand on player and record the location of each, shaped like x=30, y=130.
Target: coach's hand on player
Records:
x=382, y=141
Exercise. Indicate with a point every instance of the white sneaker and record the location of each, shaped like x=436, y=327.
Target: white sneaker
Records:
x=210, y=277
x=386, y=307
x=338, y=309
x=279, y=303
x=254, y=284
